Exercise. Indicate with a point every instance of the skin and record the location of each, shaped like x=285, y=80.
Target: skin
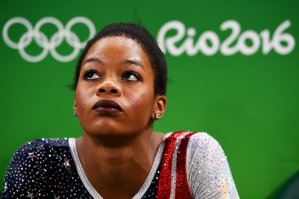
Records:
x=117, y=149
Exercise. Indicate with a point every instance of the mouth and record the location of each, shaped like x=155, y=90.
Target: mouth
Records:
x=106, y=107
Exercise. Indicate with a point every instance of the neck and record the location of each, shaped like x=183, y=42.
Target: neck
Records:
x=111, y=165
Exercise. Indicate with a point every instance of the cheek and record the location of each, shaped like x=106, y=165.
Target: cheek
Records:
x=83, y=99
x=142, y=100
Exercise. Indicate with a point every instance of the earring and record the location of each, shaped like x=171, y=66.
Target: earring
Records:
x=157, y=116
x=75, y=113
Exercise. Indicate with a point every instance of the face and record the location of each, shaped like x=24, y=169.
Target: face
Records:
x=115, y=91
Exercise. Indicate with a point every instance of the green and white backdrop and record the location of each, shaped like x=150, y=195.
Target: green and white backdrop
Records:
x=233, y=71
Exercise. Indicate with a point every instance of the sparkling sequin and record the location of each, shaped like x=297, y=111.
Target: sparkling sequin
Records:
x=66, y=163
x=45, y=168
x=182, y=187
x=165, y=188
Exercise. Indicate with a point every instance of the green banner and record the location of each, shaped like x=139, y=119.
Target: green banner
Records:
x=233, y=72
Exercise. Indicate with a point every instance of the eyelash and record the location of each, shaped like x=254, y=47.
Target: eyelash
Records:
x=131, y=73
x=92, y=72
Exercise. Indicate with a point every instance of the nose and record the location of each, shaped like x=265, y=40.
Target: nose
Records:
x=109, y=88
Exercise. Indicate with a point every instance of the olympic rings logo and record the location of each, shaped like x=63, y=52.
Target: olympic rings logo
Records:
x=48, y=44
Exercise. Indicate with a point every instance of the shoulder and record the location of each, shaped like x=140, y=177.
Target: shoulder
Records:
x=207, y=169
x=207, y=164
x=205, y=153
x=51, y=142
x=40, y=145
x=199, y=145
x=205, y=144
x=33, y=166
x=195, y=139
x=37, y=149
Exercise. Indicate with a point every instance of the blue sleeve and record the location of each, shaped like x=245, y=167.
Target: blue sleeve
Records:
x=26, y=172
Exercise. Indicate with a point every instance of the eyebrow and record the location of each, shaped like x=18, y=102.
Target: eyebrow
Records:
x=127, y=61
x=92, y=59
x=134, y=62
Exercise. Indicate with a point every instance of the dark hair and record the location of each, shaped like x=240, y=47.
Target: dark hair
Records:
x=146, y=41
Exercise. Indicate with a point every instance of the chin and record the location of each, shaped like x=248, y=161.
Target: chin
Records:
x=112, y=138
x=111, y=133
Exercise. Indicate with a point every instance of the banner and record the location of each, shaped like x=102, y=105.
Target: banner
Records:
x=233, y=72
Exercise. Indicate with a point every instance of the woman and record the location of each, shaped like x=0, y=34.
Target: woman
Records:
x=120, y=90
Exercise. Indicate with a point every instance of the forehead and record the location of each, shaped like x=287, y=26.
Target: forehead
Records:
x=117, y=47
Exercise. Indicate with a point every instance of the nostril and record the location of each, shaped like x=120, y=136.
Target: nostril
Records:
x=102, y=90
x=114, y=91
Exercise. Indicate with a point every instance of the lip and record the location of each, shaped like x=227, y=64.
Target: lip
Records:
x=106, y=107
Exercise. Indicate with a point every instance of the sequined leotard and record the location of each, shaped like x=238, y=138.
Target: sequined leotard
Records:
x=186, y=166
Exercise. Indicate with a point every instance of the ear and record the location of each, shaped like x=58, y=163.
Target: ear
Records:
x=160, y=106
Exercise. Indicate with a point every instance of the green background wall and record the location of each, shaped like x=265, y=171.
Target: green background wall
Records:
x=249, y=103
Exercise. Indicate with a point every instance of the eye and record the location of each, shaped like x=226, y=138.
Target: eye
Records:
x=131, y=76
x=91, y=75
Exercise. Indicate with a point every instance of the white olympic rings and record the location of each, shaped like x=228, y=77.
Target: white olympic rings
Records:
x=43, y=41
